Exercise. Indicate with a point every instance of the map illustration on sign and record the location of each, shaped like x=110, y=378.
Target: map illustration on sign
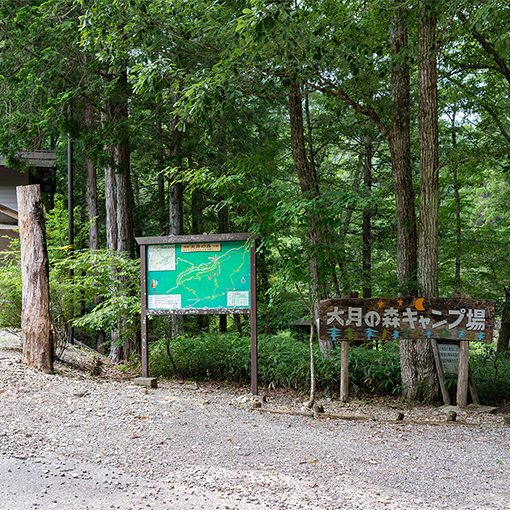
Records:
x=162, y=258
x=198, y=276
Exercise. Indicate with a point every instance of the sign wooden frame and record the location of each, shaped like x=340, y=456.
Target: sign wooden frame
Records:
x=193, y=243
x=407, y=318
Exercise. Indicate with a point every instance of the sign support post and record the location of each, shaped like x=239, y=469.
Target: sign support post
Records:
x=344, y=371
x=440, y=372
x=253, y=322
x=462, y=378
x=143, y=294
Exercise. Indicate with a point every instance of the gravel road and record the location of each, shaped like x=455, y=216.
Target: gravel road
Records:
x=73, y=441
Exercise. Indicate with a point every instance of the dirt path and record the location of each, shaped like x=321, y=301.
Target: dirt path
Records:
x=78, y=442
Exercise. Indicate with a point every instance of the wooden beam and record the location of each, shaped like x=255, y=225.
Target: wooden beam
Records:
x=9, y=212
x=440, y=372
x=462, y=378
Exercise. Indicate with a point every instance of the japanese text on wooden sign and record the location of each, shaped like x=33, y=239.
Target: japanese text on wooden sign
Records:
x=407, y=318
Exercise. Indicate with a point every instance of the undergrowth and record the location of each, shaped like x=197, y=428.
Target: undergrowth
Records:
x=283, y=362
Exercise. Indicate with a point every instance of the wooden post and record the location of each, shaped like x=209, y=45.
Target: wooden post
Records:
x=440, y=372
x=35, y=316
x=144, y=326
x=462, y=379
x=253, y=320
x=472, y=387
x=344, y=372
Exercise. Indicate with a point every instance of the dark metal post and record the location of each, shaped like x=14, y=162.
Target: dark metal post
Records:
x=143, y=292
x=253, y=321
x=70, y=210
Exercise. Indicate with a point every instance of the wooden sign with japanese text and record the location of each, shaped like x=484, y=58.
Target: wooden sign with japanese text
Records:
x=407, y=318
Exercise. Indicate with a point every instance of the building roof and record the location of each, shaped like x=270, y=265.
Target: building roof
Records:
x=42, y=165
x=39, y=159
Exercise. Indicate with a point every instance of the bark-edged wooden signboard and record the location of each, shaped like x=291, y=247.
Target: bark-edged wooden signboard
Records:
x=394, y=319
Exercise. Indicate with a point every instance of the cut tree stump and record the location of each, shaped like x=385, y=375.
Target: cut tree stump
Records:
x=35, y=316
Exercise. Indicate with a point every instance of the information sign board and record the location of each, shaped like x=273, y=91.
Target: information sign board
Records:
x=199, y=274
x=186, y=277
x=449, y=354
x=407, y=318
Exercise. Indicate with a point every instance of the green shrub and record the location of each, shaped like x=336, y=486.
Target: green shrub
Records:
x=282, y=362
x=491, y=372
x=112, y=276
x=212, y=356
x=376, y=370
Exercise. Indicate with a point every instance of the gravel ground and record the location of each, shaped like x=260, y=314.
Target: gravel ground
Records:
x=75, y=441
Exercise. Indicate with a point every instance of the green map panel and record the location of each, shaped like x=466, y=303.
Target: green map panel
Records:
x=198, y=276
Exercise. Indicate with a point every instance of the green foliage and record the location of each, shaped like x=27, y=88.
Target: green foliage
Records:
x=114, y=278
x=491, y=372
x=10, y=288
x=224, y=357
x=107, y=276
x=283, y=362
x=377, y=370
x=220, y=71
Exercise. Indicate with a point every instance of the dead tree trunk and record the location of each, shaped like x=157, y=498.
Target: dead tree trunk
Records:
x=35, y=315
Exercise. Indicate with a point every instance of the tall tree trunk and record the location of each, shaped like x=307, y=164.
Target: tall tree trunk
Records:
x=125, y=239
x=175, y=205
x=222, y=229
x=110, y=191
x=35, y=315
x=367, y=219
x=119, y=195
x=417, y=364
x=429, y=153
x=308, y=182
x=504, y=332
x=458, y=226
x=92, y=208
x=400, y=149
x=423, y=382
x=125, y=222
x=197, y=217
x=264, y=285
x=327, y=269
x=162, y=212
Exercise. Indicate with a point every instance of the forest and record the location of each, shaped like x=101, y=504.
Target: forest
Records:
x=365, y=143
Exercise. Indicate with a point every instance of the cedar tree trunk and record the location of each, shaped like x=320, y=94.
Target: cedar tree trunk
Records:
x=419, y=377
x=400, y=149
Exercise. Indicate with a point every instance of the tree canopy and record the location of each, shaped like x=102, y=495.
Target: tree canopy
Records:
x=366, y=143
